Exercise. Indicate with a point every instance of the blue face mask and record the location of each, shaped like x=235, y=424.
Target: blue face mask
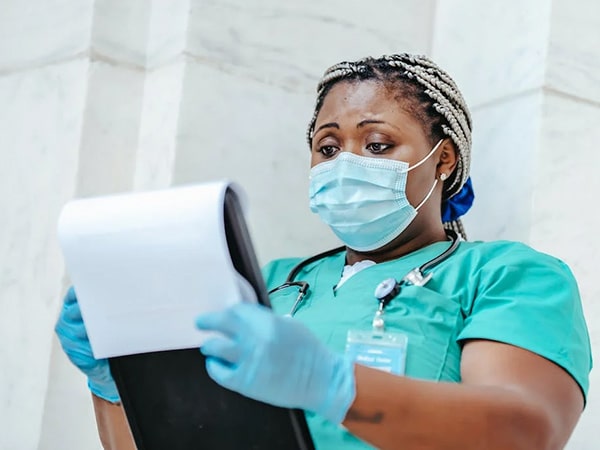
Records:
x=363, y=199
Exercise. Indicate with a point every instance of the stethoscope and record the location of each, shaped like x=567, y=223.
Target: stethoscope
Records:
x=385, y=291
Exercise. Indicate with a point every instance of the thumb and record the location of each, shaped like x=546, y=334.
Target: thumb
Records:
x=221, y=348
x=221, y=372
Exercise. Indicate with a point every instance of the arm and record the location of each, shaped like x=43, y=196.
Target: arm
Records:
x=113, y=428
x=112, y=424
x=509, y=398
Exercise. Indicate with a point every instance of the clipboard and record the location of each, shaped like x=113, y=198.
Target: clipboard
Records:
x=171, y=402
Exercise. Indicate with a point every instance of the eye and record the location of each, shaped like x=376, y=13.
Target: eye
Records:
x=328, y=150
x=378, y=147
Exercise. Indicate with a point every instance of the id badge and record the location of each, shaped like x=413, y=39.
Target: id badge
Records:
x=383, y=351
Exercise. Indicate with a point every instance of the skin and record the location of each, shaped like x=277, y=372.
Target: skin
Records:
x=509, y=398
x=113, y=428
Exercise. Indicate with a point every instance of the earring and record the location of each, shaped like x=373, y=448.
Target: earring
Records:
x=443, y=176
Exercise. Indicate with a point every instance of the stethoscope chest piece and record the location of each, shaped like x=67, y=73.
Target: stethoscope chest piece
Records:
x=416, y=277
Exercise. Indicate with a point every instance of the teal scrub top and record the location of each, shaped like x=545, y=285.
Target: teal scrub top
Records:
x=501, y=291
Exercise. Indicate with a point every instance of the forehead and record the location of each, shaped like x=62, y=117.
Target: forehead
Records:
x=354, y=101
x=366, y=95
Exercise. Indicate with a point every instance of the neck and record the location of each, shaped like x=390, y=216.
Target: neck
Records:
x=402, y=245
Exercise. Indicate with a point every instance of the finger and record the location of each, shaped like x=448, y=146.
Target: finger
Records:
x=221, y=372
x=224, y=349
x=76, y=333
x=83, y=358
x=70, y=296
x=80, y=333
x=225, y=321
x=72, y=312
x=70, y=323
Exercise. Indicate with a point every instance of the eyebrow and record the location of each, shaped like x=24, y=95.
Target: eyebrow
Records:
x=362, y=123
x=328, y=125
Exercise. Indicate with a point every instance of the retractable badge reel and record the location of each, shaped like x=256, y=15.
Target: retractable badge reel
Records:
x=375, y=347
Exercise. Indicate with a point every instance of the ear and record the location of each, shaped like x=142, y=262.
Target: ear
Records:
x=447, y=160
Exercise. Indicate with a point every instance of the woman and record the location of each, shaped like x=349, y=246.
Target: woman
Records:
x=488, y=359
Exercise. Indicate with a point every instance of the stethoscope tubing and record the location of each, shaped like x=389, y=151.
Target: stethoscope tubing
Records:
x=428, y=265
x=302, y=264
x=304, y=286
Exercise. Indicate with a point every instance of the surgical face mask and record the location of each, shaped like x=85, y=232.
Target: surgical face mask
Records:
x=363, y=199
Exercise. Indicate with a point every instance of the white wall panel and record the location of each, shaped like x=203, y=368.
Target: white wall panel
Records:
x=39, y=32
x=492, y=49
x=290, y=44
x=41, y=115
x=573, y=56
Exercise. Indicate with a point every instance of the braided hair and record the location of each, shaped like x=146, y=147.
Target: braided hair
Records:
x=427, y=92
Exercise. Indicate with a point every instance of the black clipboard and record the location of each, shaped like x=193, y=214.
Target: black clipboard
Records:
x=171, y=402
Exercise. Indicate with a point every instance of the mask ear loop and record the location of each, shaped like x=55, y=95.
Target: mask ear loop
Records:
x=436, y=180
x=427, y=157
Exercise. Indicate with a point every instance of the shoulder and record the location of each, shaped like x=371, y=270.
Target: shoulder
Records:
x=513, y=270
x=509, y=256
x=477, y=266
x=504, y=249
x=529, y=299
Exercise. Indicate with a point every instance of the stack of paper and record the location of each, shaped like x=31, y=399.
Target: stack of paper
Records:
x=144, y=265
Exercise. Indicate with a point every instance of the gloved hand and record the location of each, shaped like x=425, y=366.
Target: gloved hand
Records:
x=74, y=341
x=276, y=360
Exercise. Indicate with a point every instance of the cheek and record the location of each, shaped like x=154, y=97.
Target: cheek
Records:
x=412, y=188
x=315, y=158
x=418, y=184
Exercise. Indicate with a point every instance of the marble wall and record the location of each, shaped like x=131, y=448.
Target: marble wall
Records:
x=37, y=176
x=43, y=88
x=111, y=95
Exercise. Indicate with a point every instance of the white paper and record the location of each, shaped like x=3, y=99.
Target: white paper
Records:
x=144, y=265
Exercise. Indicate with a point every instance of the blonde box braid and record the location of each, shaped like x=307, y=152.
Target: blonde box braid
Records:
x=434, y=98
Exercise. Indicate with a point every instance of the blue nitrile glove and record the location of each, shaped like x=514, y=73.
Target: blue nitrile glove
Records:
x=74, y=340
x=276, y=360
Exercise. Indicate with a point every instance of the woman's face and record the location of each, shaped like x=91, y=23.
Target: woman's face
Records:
x=364, y=118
